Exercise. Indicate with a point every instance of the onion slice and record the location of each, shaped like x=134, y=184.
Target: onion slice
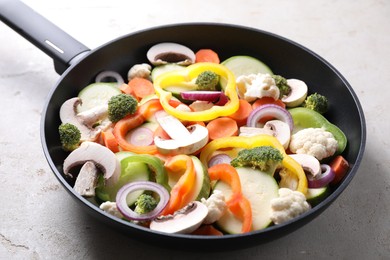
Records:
x=108, y=74
x=223, y=99
x=140, y=136
x=218, y=159
x=322, y=179
x=127, y=212
x=212, y=96
x=269, y=110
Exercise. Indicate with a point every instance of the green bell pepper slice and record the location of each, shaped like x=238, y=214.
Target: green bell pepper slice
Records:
x=306, y=118
x=154, y=163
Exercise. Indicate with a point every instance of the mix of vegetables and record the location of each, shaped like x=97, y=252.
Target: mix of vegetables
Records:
x=194, y=145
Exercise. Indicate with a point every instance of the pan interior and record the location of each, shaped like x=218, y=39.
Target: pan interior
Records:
x=284, y=57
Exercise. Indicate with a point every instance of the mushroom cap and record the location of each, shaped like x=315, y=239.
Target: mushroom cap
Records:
x=169, y=52
x=68, y=114
x=280, y=130
x=197, y=138
x=101, y=156
x=297, y=94
x=183, y=221
x=308, y=162
x=184, y=140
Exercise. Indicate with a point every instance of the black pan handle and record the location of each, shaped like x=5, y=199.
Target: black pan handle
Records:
x=56, y=43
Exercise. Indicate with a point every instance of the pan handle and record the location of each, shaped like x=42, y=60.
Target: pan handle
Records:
x=56, y=43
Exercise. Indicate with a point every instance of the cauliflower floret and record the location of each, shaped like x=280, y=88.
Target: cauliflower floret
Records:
x=288, y=205
x=253, y=86
x=111, y=208
x=139, y=70
x=216, y=205
x=314, y=141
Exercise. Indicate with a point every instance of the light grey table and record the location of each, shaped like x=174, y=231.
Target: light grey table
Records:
x=39, y=220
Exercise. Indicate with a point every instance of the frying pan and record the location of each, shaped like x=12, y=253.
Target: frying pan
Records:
x=78, y=66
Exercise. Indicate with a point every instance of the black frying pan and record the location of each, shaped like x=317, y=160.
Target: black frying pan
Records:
x=79, y=66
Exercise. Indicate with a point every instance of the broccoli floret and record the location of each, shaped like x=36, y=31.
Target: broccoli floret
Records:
x=264, y=158
x=120, y=106
x=207, y=80
x=145, y=203
x=281, y=83
x=316, y=102
x=70, y=136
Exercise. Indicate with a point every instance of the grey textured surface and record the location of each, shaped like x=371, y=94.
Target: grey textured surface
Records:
x=39, y=220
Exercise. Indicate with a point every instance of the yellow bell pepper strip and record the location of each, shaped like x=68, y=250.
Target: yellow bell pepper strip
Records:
x=185, y=76
x=237, y=203
x=249, y=142
x=181, y=191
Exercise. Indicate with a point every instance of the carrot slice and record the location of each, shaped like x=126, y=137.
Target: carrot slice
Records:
x=265, y=101
x=125, y=88
x=110, y=141
x=242, y=114
x=340, y=167
x=207, y=230
x=207, y=55
x=141, y=87
x=222, y=127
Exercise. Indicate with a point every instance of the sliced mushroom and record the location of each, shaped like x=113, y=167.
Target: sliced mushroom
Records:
x=183, y=221
x=308, y=162
x=86, y=181
x=280, y=130
x=169, y=52
x=101, y=156
x=185, y=140
x=297, y=94
x=68, y=114
x=93, y=115
x=276, y=128
x=253, y=131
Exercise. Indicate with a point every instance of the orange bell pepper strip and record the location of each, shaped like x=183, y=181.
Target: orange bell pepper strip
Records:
x=181, y=191
x=123, y=126
x=237, y=203
x=240, y=206
x=110, y=141
x=150, y=107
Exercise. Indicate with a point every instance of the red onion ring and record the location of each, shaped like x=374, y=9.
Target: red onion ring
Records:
x=270, y=110
x=218, y=159
x=322, y=179
x=127, y=212
x=211, y=96
x=223, y=99
x=109, y=74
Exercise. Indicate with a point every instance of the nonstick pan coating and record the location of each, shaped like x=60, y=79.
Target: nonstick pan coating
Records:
x=283, y=56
